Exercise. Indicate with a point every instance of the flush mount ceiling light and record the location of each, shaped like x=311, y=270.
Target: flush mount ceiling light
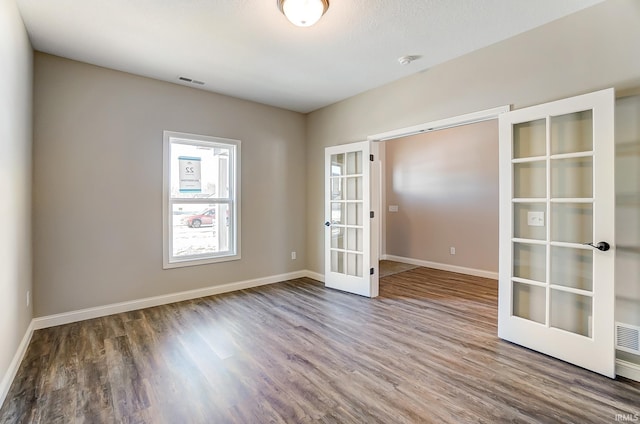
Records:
x=303, y=13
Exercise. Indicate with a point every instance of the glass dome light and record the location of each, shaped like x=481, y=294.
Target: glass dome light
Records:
x=303, y=13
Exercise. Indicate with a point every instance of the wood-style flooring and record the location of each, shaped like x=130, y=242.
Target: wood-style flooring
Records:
x=425, y=351
x=392, y=267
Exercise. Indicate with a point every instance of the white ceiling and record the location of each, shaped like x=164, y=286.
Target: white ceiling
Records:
x=247, y=48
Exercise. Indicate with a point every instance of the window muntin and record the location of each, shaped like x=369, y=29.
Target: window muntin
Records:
x=201, y=199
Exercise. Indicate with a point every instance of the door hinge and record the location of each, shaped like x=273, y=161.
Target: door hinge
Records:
x=371, y=271
x=371, y=214
x=371, y=158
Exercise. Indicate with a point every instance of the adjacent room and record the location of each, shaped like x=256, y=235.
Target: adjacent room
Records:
x=412, y=211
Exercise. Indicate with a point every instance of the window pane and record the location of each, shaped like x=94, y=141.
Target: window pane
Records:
x=199, y=171
x=200, y=179
x=200, y=229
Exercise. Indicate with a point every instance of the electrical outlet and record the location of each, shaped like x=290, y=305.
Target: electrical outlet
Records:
x=293, y=256
x=28, y=298
x=452, y=250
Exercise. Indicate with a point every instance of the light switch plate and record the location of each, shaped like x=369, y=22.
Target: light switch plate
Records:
x=535, y=219
x=393, y=208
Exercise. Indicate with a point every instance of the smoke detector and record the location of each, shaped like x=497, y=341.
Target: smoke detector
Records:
x=405, y=60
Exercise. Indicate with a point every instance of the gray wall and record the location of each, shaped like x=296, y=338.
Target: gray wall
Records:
x=445, y=185
x=593, y=49
x=628, y=214
x=98, y=185
x=15, y=182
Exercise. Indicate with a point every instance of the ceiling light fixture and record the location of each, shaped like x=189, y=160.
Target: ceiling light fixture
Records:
x=303, y=13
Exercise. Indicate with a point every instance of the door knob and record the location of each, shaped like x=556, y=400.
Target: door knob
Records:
x=603, y=246
x=328, y=224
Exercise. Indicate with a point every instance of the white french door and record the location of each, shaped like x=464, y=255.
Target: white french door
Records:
x=556, y=291
x=350, y=262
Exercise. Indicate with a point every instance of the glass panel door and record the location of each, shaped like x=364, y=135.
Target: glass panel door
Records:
x=556, y=291
x=348, y=230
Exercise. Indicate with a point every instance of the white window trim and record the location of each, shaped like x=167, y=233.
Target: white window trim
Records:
x=168, y=261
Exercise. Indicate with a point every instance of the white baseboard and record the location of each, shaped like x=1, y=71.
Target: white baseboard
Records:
x=116, y=308
x=5, y=385
x=314, y=275
x=444, y=267
x=628, y=370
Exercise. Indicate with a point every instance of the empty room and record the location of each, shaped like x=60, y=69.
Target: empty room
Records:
x=305, y=211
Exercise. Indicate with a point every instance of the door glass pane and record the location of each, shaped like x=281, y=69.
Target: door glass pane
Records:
x=572, y=222
x=354, y=188
x=529, y=139
x=530, y=180
x=571, y=312
x=572, y=267
x=337, y=165
x=572, y=133
x=529, y=261
x=338, y=213
x=337, y=237
x=337, y=192
x=354, y=264
x=337, y=261
x=354, y=213
x=529, y=302
x=529, y=221
x=572, y=178
x=354, y=239
x=354, y=163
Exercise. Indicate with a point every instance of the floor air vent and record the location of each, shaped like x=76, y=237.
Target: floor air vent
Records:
x=628, y=338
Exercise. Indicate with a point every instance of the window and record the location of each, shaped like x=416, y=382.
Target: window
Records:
x=200, y=199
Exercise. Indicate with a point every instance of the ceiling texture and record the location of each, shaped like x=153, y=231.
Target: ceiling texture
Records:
x=248, y=49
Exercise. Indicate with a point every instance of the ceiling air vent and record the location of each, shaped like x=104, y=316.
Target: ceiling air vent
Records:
x=191, y=80
x=628, y=338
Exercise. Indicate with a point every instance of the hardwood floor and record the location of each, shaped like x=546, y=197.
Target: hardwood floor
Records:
x=425, y=351
x=392, y=267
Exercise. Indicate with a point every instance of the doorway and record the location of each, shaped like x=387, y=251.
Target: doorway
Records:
x=440, y=192
x=429, y=176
